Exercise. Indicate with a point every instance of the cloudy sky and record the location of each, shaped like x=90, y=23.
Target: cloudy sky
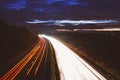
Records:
x=19, y=11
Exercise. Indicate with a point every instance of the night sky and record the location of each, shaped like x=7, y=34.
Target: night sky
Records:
x=19, y=11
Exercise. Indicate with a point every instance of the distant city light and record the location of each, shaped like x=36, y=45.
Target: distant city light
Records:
x=105, y=29
x=63, y=30
x=97, y=30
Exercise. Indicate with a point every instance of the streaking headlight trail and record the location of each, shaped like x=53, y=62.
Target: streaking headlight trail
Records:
x=71, y=66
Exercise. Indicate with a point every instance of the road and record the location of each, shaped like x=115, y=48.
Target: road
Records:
x=51, y=60
x=70, y=65
x=38, y=64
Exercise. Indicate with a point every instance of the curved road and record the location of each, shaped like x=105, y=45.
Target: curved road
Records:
x=51, y=60
x=71, y=66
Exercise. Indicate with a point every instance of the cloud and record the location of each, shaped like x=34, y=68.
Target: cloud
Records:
x=39, y=9
x=59, y=9
x=71, y=22
x=14, y=5
x=66, y=3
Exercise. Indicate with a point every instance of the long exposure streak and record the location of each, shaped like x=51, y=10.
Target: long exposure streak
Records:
x=71, y=66
x=13, y=72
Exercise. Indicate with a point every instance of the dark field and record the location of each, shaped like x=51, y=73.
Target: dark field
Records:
x=100, y=48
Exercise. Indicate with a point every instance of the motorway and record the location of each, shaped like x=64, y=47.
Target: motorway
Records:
x=51, y=60
x=38, y=64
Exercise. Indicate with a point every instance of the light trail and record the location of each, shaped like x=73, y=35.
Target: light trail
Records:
x=39, y=56
x=13, y=72
x=70, y=65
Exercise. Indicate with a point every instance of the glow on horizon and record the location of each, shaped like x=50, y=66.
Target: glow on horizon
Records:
x=97, y=30
x=105, y=29
x=71, y=66
x=72, y=22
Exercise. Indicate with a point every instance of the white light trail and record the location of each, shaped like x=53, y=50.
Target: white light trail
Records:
x=71, y=66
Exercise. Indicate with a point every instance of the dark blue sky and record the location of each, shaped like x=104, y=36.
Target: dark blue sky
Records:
x=16, y=11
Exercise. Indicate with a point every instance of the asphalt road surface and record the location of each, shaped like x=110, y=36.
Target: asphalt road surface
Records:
x=71, y=66
x=51, y=60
